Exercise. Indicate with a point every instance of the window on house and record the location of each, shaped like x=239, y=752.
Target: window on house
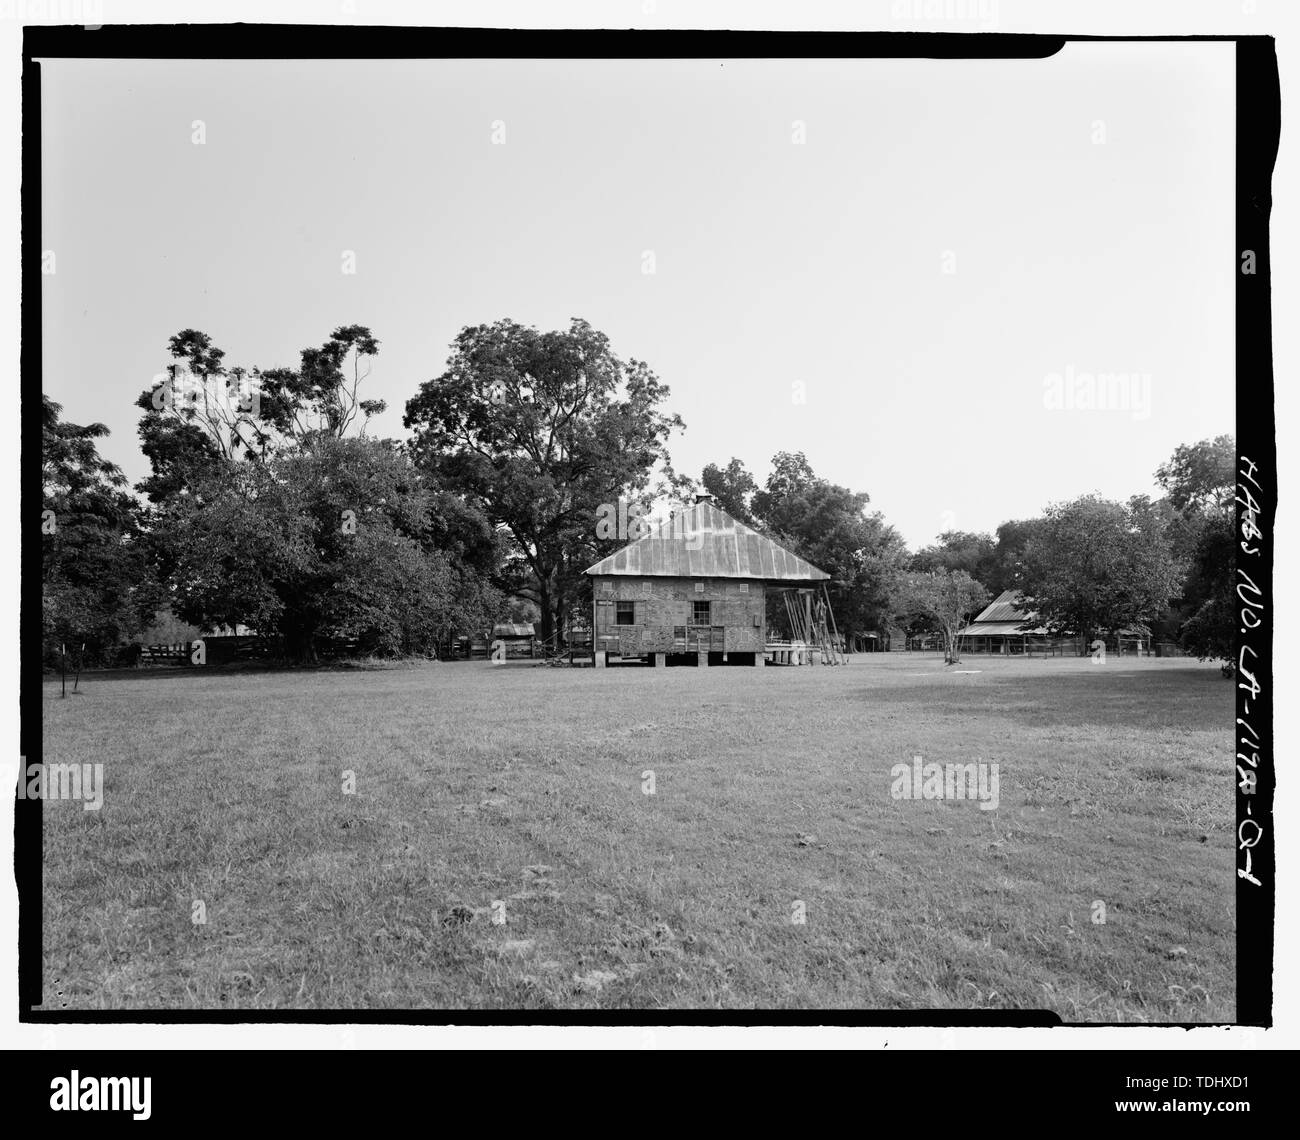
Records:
x=700, y=613
x=625, y=613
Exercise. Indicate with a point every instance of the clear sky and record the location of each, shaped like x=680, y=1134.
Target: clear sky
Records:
x=948, y=237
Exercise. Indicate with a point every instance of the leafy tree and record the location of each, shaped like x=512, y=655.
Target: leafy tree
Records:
x=96, y=584
x=1200, y=476
x=167, y=629
x=273, y=508
x=321, y=399
x=203, y=413
x=1008, y=552
x=1211, y=632
x=976, y=554
x=993, y=562
x=1093, y=565
x=830, y=526
x=539, y=430
x=336, y=540
x=1200, y=485
x=732, y=489
x=948, y=598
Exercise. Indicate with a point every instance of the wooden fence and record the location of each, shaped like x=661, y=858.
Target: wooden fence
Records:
x=229, y=649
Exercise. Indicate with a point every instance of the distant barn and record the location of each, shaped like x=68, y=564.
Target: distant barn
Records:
x=1003, y=627
x=693, y=591
x=516, y=639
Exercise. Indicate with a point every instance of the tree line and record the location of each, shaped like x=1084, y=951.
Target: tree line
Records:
x=1091, y=566
x=270, y=505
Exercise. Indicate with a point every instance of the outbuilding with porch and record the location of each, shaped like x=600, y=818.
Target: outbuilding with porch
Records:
x=693, y=591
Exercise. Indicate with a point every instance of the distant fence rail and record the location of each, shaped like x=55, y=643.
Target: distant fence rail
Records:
x=1065, y=647
x=229, y=649
x=177, y=653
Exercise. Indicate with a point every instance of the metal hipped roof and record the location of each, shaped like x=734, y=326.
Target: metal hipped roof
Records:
x=998, y=629
x=704, y=541
x=1003, y=608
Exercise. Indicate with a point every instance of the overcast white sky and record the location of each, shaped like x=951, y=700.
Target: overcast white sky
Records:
x=775, y=263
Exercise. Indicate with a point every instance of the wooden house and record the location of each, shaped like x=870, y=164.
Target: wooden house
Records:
x=693, y=591
x=1002, y=627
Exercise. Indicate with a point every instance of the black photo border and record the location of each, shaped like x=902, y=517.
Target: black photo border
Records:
x=1257, y=133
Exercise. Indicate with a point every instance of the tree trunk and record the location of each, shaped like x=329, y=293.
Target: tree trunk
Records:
x=300, y=645
x=558, y=620
x=547, y=607
x=950, y=648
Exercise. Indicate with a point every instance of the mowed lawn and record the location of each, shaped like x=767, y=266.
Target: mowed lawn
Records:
x=500, y=850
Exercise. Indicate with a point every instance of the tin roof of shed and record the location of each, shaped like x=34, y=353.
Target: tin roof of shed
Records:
x=1003, y=608
x=704, y=541
x=999, y=629
x=1001, y=618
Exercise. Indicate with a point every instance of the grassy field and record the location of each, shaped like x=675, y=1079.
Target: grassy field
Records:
x=487, y=793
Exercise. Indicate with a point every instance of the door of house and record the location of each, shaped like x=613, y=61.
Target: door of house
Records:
x=706, y=638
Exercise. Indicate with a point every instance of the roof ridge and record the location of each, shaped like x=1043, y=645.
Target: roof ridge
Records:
x=723, y=555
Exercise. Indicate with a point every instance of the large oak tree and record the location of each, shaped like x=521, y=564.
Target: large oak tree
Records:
x=1092, y=565
x=542, y=429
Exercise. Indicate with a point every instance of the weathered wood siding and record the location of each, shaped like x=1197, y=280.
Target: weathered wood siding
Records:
x=665, y=605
